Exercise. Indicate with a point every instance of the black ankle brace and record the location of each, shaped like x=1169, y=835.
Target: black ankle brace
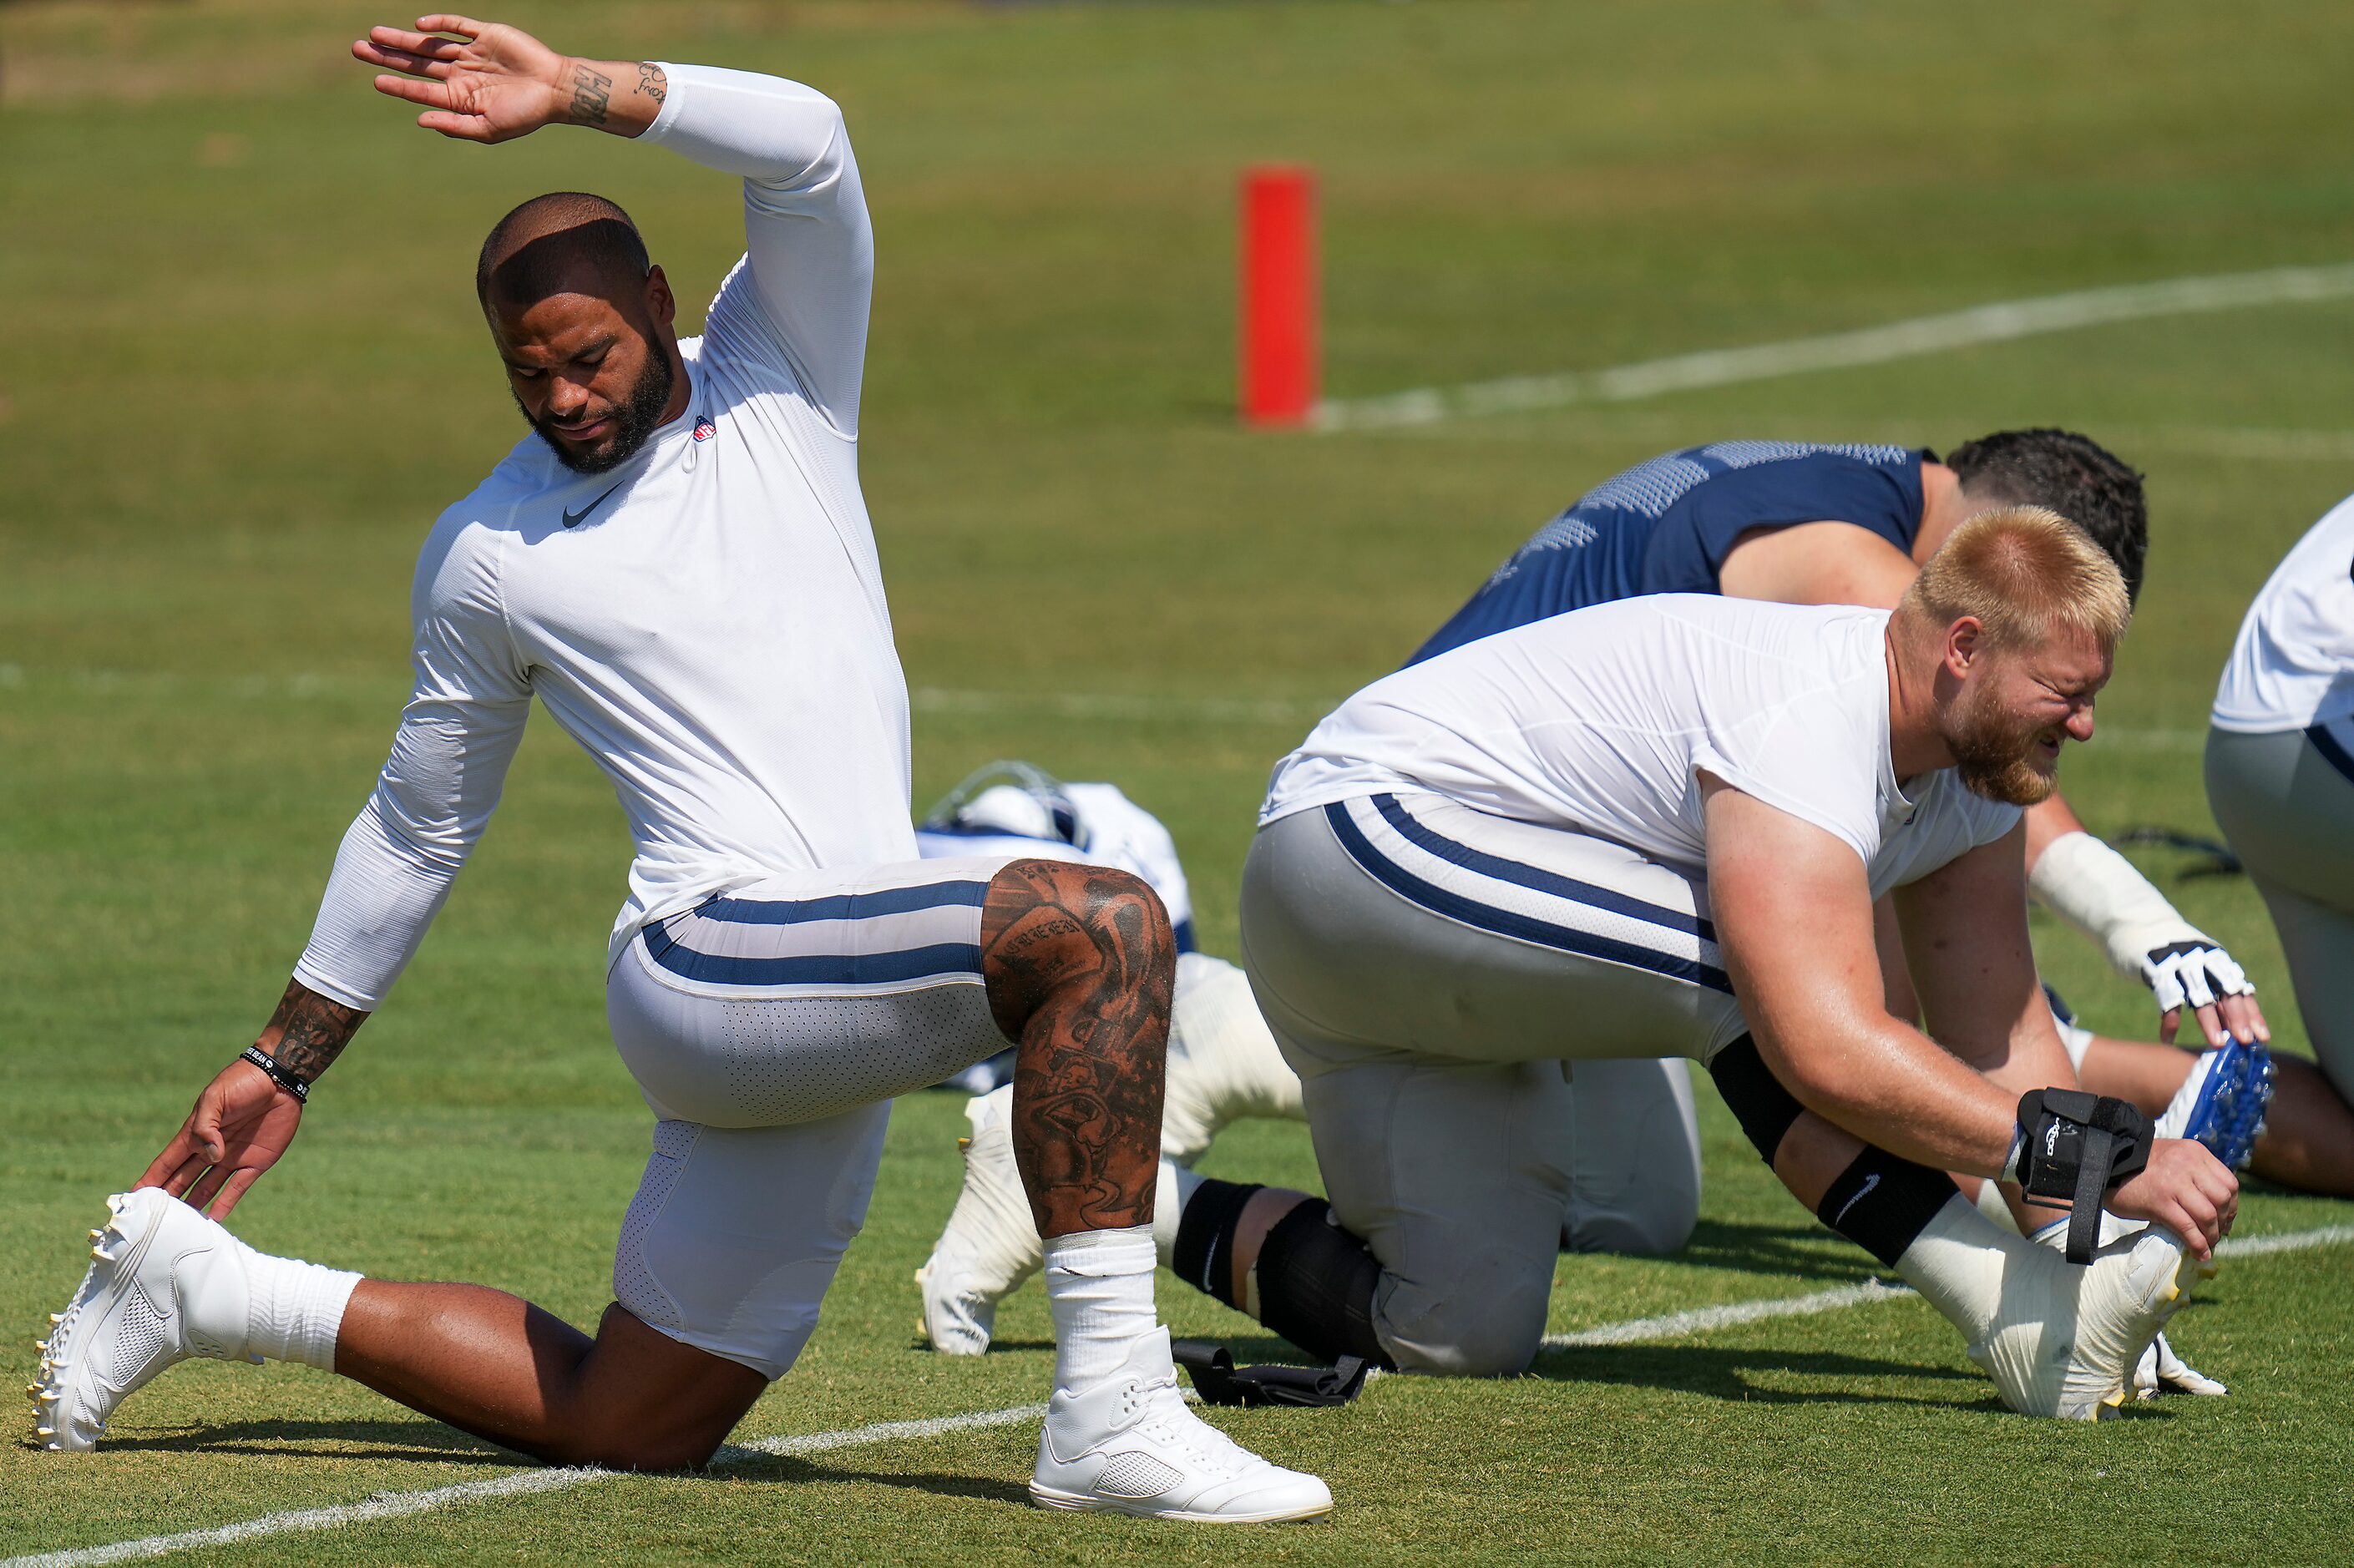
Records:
x=1203, y=1255
x=1880, y=1202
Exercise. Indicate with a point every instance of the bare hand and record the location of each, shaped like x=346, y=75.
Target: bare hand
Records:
x=241, y=1123
x=2226, y=1018
x=489, y=83
x=2187, y=1190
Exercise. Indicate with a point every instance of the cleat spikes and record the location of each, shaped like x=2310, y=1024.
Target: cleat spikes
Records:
x=96, y=1235
x=56, y=1318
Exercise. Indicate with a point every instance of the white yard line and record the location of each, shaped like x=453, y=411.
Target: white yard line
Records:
x=1105, y=706
x=1840, y=350
x=525, y=1483
x=531, y=1483
x=1700, y=1320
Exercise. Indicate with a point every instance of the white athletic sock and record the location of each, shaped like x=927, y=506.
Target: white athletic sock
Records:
x=1099, y=1287
x=2114, y=1227
x=1958, y=1262
x=1991, y=1205
x=1175, y=1189
x=294, y=1309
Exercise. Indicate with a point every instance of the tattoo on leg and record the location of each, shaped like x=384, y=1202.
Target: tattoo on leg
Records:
x=308, y=1032
x=592, y=92
x=1080, y=967
x=652, y=80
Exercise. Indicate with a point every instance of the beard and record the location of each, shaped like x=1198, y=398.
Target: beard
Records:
x=1994, y=753
x=635, y=419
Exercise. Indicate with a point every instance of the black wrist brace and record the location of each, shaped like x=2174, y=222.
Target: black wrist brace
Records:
x=2074, y=1147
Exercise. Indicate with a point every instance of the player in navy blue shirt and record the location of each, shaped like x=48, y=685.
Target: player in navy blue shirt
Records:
x=1805, y=524
x=1669, y=524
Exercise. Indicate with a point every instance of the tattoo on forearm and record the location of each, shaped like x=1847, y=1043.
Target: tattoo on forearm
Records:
x=652, y=81
x=308, y=1032
x=1080, y=968
x=592, y=93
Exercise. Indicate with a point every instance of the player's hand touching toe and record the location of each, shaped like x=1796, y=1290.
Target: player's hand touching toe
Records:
x=2185, y=1189
x=240, y=1125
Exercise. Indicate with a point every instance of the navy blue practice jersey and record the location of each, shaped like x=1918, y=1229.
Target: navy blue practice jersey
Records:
x=1666, y=525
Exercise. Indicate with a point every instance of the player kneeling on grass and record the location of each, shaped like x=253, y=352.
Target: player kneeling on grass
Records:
x=678, y=563
x=1658, y=827
x=1793, y=523
x=1634, y=1186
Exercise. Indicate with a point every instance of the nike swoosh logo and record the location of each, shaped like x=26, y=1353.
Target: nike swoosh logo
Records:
x=1861, y=1194
x=574, y=519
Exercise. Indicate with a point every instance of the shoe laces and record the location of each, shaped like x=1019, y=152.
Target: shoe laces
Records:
x=1167, y=1422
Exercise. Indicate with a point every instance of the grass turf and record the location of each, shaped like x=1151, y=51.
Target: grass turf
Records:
x=244, y=372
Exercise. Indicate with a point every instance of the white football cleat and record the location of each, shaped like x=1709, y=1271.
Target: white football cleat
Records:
x=990, y=1245
x=2066, y=1337
x=2160, y=1370
x=148, y=1301
x=1131, y=1446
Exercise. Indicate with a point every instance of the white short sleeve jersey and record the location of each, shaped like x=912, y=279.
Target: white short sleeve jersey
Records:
x=1601, y=721
x=707, y=620
x=2293, y=666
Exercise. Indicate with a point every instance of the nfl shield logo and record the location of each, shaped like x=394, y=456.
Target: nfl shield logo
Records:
x=704, y=428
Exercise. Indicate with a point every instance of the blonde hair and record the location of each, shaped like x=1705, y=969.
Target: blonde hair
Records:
x=2023, y=573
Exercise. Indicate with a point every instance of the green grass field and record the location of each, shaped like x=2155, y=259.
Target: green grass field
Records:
x=242, y=372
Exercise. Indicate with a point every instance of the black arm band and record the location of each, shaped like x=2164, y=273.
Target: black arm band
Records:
x=2074, y=1147
x=278, y=1075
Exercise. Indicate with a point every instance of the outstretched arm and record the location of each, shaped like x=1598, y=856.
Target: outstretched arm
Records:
x=394, y=869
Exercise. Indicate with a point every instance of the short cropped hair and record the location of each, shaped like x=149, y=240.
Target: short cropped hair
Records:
x=534, y=251
x=2025, y=574
x=2071, y=475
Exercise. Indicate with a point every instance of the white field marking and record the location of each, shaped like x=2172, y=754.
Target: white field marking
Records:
x=1700, y=1320
x=527, y=1483
x=398, y=1504
x=1833, y=351
x=524, y=1483
x=1108, y=706
x=1141, y=709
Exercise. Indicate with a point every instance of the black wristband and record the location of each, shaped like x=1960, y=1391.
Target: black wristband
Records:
x=2075, y=1146
x=278, y=1075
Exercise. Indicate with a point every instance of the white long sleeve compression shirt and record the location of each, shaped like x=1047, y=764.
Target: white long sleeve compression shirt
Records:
x=707, y=620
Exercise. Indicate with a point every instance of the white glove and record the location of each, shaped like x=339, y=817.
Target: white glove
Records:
x=2097, y=890
x=2195, y=970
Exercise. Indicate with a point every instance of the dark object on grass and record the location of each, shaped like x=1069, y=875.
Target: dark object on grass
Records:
x=1219, y=1382
x=2220, y=859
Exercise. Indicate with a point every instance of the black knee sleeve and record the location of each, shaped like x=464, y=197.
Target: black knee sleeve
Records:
x=1203, y=1255
x=1882, y=1201
x=1315, y=1286
x=1756, y=1097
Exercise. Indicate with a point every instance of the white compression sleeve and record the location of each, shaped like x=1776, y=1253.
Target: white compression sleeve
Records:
x=808, y=248
x=2099, y=892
